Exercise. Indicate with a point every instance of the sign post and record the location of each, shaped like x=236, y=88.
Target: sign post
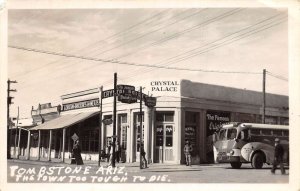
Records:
x=114, y=121
x=141, y=126
x=100, y=124
x=126, y=94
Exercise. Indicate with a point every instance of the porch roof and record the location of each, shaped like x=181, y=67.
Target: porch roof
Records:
x=64, y=121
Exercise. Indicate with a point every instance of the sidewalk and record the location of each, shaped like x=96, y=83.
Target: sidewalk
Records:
x=133, y=166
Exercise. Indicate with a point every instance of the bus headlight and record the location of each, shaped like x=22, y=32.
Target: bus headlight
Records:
x=231, y=152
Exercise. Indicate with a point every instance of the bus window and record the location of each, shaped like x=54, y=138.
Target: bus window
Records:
x=255, y=131
x=266, y=132
x=222, y=135
x=243, y=135
x=231, y=134
x=277, y=132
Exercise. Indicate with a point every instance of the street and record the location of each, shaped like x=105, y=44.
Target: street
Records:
x=50, y=172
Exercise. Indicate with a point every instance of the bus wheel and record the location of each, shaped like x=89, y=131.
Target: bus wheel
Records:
x=257, y=161
x=236, y=165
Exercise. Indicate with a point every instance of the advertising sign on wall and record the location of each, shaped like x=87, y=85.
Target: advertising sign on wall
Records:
x=214, y=120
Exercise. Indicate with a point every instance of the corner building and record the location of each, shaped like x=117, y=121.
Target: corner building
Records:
x=184, y=110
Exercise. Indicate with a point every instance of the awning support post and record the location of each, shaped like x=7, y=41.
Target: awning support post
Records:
x=49, y=146
x=28, y=146
x=39, y=145
x=63, y=144
x=19, y=138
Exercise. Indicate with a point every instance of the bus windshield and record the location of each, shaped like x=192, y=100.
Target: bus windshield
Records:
x=231, y=134
x=227, y=134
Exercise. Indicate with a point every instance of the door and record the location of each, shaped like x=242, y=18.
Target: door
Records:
x=164, y=143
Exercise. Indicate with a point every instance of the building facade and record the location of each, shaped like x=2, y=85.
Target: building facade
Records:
x=184, y=110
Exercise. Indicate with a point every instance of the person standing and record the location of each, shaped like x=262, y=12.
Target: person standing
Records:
x=278, y=157
x=118, y=152
x=188, y=153
x=111, y=151
x=143, y=153
x=77, y=153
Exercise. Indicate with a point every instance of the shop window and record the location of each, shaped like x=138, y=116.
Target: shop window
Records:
x=191, y=117
x=159, y=135
x=122, y=124
x=169, y=136
x=159, y=117
x=190, y=135
x=89, y=140
x=123, y=119
x=169, y=117
x=138, y=117
x=165, y=116
x=124, y=137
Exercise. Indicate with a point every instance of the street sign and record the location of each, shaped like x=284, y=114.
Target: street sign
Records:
x=150, y=101
x=128, y=98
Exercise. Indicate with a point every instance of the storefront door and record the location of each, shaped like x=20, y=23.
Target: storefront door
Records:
x=164, y=143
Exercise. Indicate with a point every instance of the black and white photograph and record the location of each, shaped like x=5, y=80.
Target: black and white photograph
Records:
x=158, y=95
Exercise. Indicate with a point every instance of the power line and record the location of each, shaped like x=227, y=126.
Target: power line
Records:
x=176, y=67
x=211, y=20
x=219, y=17
x=249, y=33
x=220, y=45
x=91, y=45
x=148, y=33
x=277, y=76
x=123, y=63
x=187, y=69
x=163, y=40
x=142, y=36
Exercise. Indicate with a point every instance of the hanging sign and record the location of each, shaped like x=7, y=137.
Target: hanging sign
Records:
x=150, y=101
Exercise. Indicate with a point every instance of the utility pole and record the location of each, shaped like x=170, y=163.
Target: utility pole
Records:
x=113, y=163
x=264, y=97
x=9, y=102
x=100, y=124
x=141, y=126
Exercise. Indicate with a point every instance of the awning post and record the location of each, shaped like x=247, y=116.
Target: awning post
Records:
x=28, y=146
x=19, y=138
x=63, y=144
x=49, y=146
x=39, y=145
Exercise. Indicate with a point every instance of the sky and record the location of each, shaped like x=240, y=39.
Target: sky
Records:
x=245, y=40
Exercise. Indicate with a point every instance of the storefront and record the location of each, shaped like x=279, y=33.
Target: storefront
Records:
x=184, y=111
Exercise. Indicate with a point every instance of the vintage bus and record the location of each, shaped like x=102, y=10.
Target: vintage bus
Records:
x=238, y=143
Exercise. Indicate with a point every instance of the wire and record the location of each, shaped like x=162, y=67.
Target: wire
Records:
x=85, y=48
x=277, y=76
x=219, y=45
x=163, y=40
x=120, y=62
x=130, y=41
